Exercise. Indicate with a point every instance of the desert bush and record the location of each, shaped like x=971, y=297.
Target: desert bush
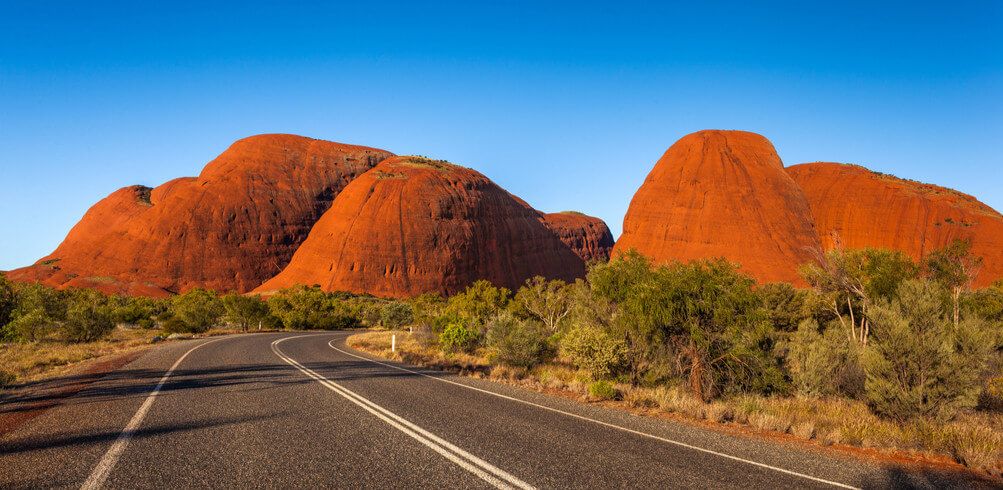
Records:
x=590, y=348
x=137, y=311
x=477, y=304
x=310, y=308
x=826, y=363
x=88, y=317
x=396, y=314
x=244, y=311
x=456, y=337
x=603, y=390
x=701, y=321
x=39, y=311
x=517, y=342
x=199, y=309
x=546, y=301
x=919, y=363
x=8, y=302
x=176, y=325
x=786, y=306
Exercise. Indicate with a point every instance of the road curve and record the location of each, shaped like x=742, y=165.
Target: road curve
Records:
x=302, y=409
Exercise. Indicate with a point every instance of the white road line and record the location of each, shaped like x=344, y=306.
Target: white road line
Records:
x=484, y=470
x=605, y=424
x=107, y=463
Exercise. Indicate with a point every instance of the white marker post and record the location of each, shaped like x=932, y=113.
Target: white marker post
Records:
x=393, y=343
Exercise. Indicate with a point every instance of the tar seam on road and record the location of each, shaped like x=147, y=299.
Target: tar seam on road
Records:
x=107, y=463
x=484, y=470
x=606, y=424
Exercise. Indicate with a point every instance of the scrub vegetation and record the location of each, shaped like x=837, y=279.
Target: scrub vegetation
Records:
x=879, y=352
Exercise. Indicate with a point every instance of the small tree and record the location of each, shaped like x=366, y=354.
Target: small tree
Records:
x=396, y=314
x=853, y=280
x=477, y=304
x=919, y=364
x=88, y=317
x=546, y=301
x=199, y=309
x=954, y=267
x=456, y=337
x=39, y=311
x=244, y=311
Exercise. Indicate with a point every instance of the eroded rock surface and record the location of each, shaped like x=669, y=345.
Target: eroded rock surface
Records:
x=857, y=208
x=722, y=194
x=232, y=227
x=413, y=225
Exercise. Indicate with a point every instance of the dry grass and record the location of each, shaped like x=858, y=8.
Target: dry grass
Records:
x=974, y=440
x=31, y=361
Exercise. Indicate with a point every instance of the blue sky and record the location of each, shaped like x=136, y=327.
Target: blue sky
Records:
x=567, y=105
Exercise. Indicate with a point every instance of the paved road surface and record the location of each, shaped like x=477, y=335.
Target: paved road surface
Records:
x=303, y=410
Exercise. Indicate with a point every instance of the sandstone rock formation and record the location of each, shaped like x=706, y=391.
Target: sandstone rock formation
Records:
x=859, y=208
x=232, y=227
x=412, y=225
x=587, y=236
x=722, y=194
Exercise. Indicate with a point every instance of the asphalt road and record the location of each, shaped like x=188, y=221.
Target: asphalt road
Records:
x=302, y=410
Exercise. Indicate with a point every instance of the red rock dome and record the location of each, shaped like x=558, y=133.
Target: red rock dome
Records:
x=413, y=225
x=587, y=236
x=230, y=228
x=860, y=208
x=722, y=194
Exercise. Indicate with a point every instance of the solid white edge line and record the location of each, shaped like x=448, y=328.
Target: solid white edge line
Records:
x=484, y=470
x=103, y=469
x=605, y=424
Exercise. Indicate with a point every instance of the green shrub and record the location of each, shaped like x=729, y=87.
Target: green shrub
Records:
x=177, y=325
x=200, y=309
x=701, y=321
x=88, y=317
x=310, y=308
x=477, y=304
x=518, y=343
x=244, y=311
x=603, y=390
x=396, y=314
x=918, y=363
x=39, y=311
x=136, y=310
x=824, y=364
x=342, y=322
x=456, y=337
x=592, y=349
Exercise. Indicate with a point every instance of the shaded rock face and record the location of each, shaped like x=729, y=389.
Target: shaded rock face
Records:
x=857, y=208
x=722, y=194
x=587, y=236
x=412, y=225
x=232, y=227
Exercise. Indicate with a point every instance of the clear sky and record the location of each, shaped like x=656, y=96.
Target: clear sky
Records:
x=567, y=105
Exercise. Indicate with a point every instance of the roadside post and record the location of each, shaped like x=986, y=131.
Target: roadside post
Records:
x=393, y=343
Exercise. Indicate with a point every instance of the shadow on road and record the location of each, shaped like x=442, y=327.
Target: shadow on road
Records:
x=68, y=439
x=933, y=478
x=125, y=383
